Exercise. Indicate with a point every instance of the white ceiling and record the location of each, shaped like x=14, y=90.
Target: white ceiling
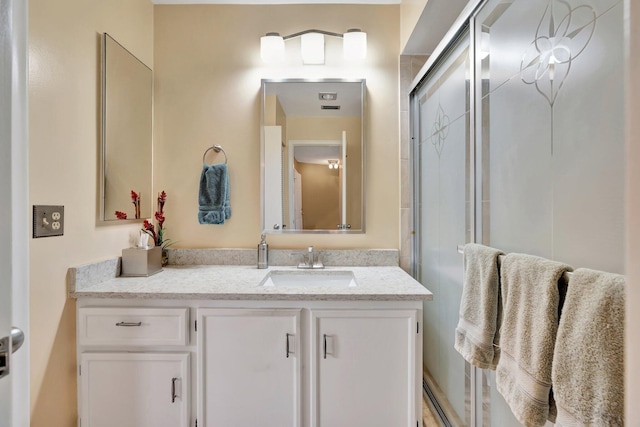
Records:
x=276, y=1
x=434, y=22
x=300, y=99
x=317, y=154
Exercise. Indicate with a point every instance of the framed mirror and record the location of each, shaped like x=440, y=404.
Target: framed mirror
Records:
x=312, y=155
x=126, y=154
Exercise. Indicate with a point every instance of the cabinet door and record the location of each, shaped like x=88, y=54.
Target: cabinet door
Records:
x=134, y=389
x=249, y=367
x=364, y=368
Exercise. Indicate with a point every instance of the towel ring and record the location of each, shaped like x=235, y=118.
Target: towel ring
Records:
x=217, y=148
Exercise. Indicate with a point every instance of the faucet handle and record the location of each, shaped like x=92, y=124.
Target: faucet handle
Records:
x=317, y=263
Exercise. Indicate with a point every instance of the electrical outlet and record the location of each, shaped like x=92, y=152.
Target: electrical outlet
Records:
x=48, y=221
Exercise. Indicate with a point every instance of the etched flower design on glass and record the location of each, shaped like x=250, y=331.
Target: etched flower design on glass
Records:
x=562, y=35
x=440, y=130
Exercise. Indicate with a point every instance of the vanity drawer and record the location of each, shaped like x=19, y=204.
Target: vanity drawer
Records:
x=132, y=326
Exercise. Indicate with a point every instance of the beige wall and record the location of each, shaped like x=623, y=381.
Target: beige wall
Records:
x=64, y=45
x=270, y=110
x=209, y=92
x=206, y=92
x=320, y=196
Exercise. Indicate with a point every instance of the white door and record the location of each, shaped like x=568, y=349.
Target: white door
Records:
x=343, y=181
x=364, y=371
x=297, y=201
x=249, y=367
x=135, y=390
x=14, y=282
x=273, y=215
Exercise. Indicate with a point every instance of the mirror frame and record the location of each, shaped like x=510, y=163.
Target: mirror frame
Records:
x=363, y=139
x=102, y=170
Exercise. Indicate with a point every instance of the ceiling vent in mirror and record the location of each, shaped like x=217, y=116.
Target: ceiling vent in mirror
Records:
x=328, y=96
x=329, y=107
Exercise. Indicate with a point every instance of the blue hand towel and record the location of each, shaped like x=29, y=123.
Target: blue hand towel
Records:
x=213, y=198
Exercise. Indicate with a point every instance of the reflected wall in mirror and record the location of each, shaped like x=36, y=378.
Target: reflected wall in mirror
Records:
x=126, y=164
x=313, y=156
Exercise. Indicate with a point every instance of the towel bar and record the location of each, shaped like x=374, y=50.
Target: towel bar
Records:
x=217, y=148
x=567, y=274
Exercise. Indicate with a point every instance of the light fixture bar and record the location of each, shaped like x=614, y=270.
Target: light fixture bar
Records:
x=301, y=33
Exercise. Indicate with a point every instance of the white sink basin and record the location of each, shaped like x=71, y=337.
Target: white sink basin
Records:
x=342, y=279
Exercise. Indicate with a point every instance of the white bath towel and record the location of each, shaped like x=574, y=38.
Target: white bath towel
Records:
x=530, y=304
x=477, y=337
x=588, y=363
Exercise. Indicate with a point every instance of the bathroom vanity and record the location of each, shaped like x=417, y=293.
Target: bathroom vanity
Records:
x=220, y=346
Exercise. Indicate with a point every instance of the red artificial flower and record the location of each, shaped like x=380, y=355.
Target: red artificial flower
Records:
x=160, y=218
x=162, y=198
x=135, y=199
x=121, y=215
x=150, y=230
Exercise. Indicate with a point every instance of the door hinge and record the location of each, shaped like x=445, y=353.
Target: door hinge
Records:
x=196, y=422
x=417, y=327
x=195, y=327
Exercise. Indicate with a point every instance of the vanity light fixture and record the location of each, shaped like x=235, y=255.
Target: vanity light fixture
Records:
x=354, y=45
x=272, y=47
x=333, y=164
x=312, y=48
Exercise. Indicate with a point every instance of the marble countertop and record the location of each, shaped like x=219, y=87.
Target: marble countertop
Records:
x=242, y=282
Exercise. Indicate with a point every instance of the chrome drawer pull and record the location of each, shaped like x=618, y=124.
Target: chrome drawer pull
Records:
x=129, y=324
x=324, y=346
x=288, y=346
x=173, y=390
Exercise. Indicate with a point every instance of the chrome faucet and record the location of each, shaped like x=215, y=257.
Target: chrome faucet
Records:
x=311, y=260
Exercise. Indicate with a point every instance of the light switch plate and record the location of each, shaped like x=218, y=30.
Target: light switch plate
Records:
x=48, y=221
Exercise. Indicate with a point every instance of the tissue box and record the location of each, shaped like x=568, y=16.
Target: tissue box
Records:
x=141, y=261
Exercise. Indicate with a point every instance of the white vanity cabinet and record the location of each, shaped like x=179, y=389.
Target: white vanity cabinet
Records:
x=134, y=389
x=268, y=363
x=249, y=367
x=364, y=368
x=134, y=367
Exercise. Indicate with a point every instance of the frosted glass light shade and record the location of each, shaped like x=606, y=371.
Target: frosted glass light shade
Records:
x=272, y=48
x=312, y=48
x=354, y=44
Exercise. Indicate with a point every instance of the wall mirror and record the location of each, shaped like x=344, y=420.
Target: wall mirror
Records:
x=126, y=155
x=312, y=156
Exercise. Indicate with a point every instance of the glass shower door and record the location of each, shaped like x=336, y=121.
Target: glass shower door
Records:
x=443, y=181
x=550, y=123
